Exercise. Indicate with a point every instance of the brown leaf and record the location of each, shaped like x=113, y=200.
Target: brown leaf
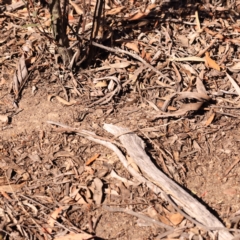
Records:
x=170, y=108
x=98, y=191
x=133, y=46
x=61, y=100
x=114, y=11
x=175, y=218
x=235, y=67
x=101, y=84
x=198, y=22
x=119, y=65
x=140, y=15
x=75, y=236
x=210, y=119
x=52, y=219
x=215, y=34
x=235, y=85
x=185, y=108
x=92, y=159
x=187, y=59
x=76, y=7
x=11, y=187
x=193, y=95
x=210, y=62
x=5, y=195
x=137, y=16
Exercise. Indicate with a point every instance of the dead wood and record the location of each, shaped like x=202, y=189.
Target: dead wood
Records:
x=135, y=148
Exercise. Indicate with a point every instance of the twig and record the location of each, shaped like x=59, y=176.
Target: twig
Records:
x=160, y=236
x=139, y=215
x=232, y=166
x=118, y=50
x=205, y=49
x=228, y=114
x=184, y=214
x=20, y=203
x=110, y=95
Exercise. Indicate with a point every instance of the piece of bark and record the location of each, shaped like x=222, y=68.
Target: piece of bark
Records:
x=135, y=148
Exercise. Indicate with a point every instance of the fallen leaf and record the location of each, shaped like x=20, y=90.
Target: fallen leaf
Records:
x=235, y=67
x=133, y=46
x=75, y=236
x=140, y=15
x=114, y=11
x=148, y=57
x=185, y=108
x=92, y=159
x=76, y=7
x=175, y=218
x=11, y=188
x=215, y=34
x=198, y=22
x=210, y=62
x=137, y=16
x=101, y=84
x=5, y=195
x=170, y=108
x=187, y=59
x=61, y=100
x=98, y=191
x=235, y=85
x=52, y=219
x=210, y=119
x=119, y=65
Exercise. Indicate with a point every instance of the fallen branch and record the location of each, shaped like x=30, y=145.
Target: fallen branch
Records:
x=154, y=178
x=135, y=148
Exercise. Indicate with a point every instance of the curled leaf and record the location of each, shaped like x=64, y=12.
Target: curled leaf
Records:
x=61, y=100
x=210, y=62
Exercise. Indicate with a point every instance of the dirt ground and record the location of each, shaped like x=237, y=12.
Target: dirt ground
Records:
x=54, y=182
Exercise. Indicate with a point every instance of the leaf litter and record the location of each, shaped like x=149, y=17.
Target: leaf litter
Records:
x=167, y=71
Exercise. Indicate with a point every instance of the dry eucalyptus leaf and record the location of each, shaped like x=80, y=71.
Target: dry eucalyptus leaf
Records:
x=76, y=7
x=133, y=46
x=61, y=100
x=114, y=11
x=187, y=59
x=175, y=218
x=98, y=191
x=75, y=236
x=54, y=215
x=235, y=85
x=11, y=188
x=210, y=62
x=119, y=65
x=101, y=84
x=235, y=68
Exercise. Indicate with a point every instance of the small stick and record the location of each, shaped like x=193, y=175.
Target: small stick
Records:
x=118, y=50
x=139, y=215
x=231, y=167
